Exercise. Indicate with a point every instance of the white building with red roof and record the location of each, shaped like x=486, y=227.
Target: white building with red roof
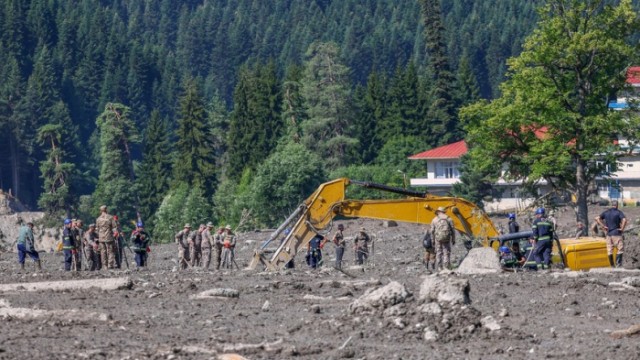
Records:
x=442, y=167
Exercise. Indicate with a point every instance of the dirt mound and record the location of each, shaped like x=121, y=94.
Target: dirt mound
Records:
x=480, y=261
x=631, y=258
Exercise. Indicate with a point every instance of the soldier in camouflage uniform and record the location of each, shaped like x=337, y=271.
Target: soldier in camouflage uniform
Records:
x=92, y=248
x=182, y=239
x=207, y=244
x=218, y=239
x=79, y=234
x=195, y=246
x=228, y=248
x=106, y=226
x=361, y=246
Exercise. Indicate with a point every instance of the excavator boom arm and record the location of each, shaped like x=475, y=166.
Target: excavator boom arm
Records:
x=316, y=214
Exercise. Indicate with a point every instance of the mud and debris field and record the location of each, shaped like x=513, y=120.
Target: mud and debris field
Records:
x=390, y=309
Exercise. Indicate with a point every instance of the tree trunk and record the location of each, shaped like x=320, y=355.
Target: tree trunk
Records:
x=582, y=189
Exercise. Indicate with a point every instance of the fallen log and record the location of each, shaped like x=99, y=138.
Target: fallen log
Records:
x=102, y=284
x=71, y=316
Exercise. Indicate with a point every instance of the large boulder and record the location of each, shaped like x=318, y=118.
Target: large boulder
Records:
x=381, y=298
x=445, y=289
x=483, y=260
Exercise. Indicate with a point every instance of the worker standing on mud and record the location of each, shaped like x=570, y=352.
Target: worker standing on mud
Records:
x=542, y=230
x=207, y=244
x=338, y=240
x=218, y=240
x=195, y=246
x=26, y=245
x=443, y=235
x=79, y=235
x=229, y=246
x=118, y=236
x=314, y=251
x=92, y=248
x=68, y=244
x=613, y=222
x=140, y=244
x=182, y=238
x=361, y=246
x=106, y=226
x=514, y=227
x=429, y=250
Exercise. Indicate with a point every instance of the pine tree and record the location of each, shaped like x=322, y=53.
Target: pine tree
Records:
x=154, y=173
x=372, y=110
x=441, y=116
x=194, y=161
x=116, y=186
x=292, y=102
x=59, y=138
x=327, y=131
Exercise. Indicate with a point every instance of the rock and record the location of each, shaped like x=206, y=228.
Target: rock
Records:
x=488, y=322
x=380, y=298
x=216, y=293
x=108, y=284
x=430, y=335
x=399, y=323
x=504, y=313
x=396, y=310
x=266, y=305
x=431, y=308
x=483, y=260
x=448, y=289
x=389, y=223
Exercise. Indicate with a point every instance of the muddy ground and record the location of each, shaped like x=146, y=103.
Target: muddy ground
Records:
x=305, y=313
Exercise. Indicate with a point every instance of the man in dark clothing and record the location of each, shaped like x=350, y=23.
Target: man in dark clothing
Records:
x=543, y=234
x=140, y=244
x=514, y=227
x=613, y=222
x=68, y=245
x=314, y=252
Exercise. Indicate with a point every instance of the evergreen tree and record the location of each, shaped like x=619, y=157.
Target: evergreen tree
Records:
x=154, y=174
x=468, y=90
x=372, y=109
x=256, y=123
x=327, y=131
x=116, y=187
x=441, y=117
x=293, y=103
x=59, y=138
x=194, y=161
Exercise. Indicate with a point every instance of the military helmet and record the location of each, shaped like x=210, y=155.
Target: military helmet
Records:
x=441, y=209
x=505, y=249
x=209, y=224
x=540, y=211
x=187, y=225
x=512, y=216
x=228, y=227
x=67, y=221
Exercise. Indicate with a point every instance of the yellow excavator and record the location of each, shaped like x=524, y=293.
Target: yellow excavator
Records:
x=315, y=216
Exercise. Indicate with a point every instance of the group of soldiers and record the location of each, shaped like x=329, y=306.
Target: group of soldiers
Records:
x=360, y=247
x=195, y=246
x=102, y=245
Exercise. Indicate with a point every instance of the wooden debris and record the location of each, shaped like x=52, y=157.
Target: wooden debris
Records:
x=633, y=330
x=103, y=284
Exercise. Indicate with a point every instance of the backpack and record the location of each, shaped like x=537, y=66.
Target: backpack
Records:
x=427, y=243
x=442, y=230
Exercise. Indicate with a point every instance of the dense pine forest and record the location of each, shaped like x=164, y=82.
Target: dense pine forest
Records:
x=229, y=109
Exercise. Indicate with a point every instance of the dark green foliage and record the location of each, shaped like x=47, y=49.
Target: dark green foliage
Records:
x=194, y=162
x=372, y=173
x=183, y=204
x=116, y=187
x=154, y=173
x=475, y=183
x=328, y=131
x=395, y=152
x=60, y=140
x=256, y=123
x=283, y=181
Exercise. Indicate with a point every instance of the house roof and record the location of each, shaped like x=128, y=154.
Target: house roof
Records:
x=451, y=151
x=633, y=75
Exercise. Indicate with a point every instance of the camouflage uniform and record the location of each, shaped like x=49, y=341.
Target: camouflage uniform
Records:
x=361, y=244
x=106, y=225
x=443, y=248
x=195, y=246
x=218, y=239
x=79, y=235
x=207, y=244
x=92, y=249
x=183, y=248
x=228, y=249
x=340, y=242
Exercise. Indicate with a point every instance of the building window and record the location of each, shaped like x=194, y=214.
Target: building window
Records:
x=447, y=170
